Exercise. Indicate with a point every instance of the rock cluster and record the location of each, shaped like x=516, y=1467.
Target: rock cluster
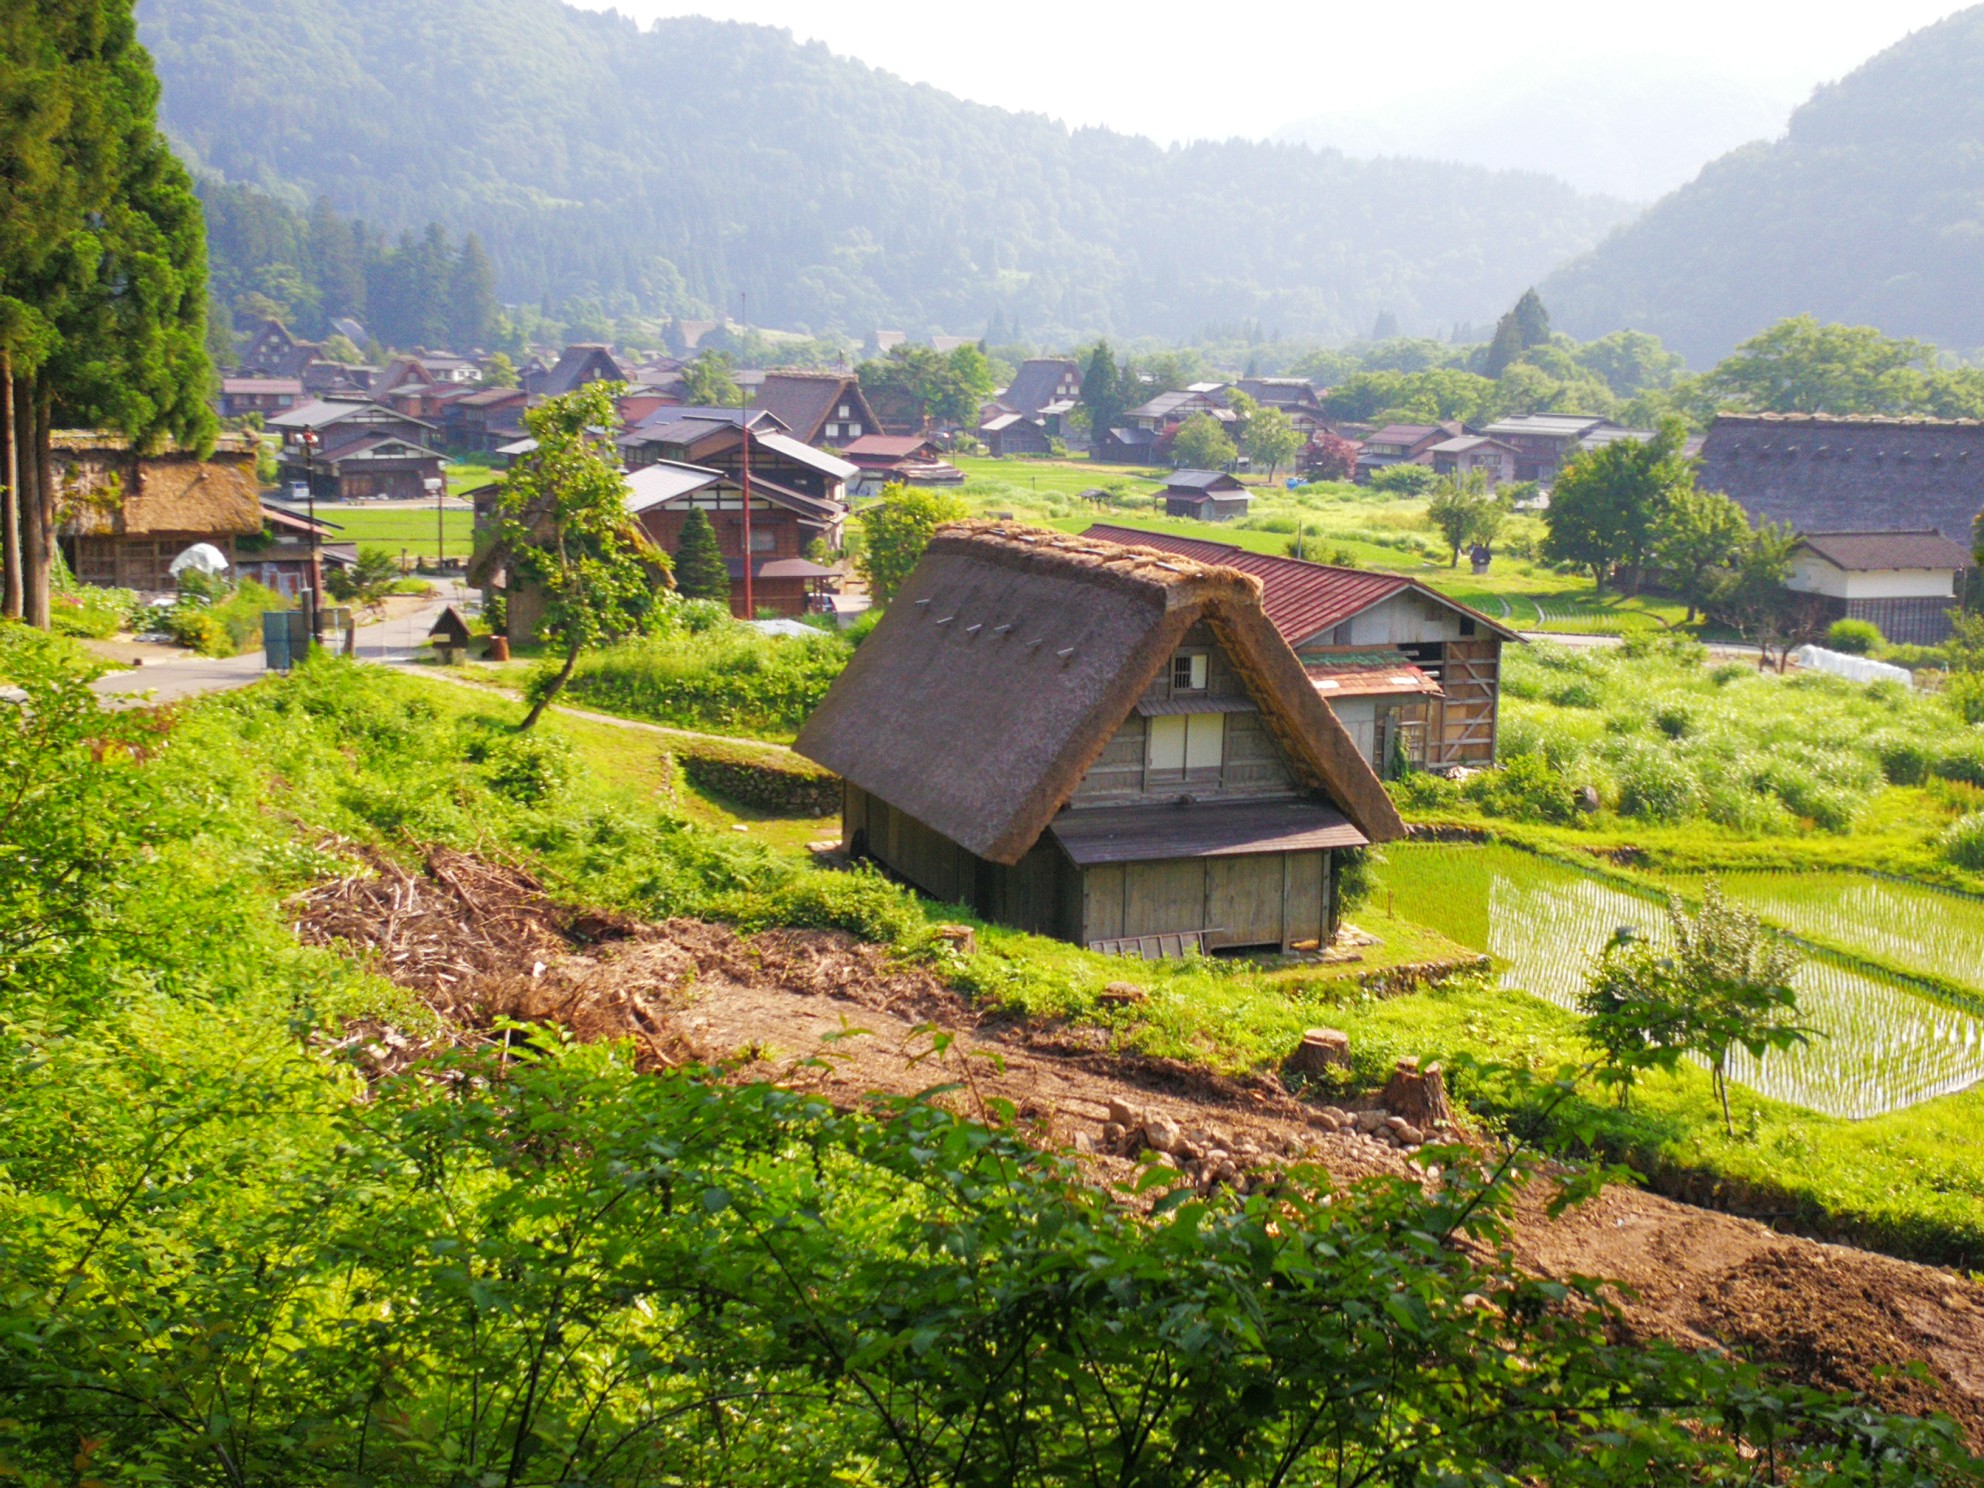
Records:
x=1208, y=1157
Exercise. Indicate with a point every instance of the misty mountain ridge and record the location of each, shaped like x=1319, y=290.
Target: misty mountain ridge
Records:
x=1633, y=127
x=670, y=168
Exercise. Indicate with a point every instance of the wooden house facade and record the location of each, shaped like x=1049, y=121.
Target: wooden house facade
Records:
x=127, y=516
x=1206, y=496
x=1414, y=676
x=784, y=524
x=1098, y=743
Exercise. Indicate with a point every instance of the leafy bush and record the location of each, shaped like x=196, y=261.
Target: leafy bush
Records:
x=1653, y=787
x=216, y=621
x=773, y=780
x=1403, y=480
x=1905, y=759
x=1854, y=637
x=1963, y=842
x=526, y=768
x=1524, y=789
x=728, y=678
x=1964, y=692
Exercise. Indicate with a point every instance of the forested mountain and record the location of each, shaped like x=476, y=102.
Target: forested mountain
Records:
x=1870, y=210
x=670, y=168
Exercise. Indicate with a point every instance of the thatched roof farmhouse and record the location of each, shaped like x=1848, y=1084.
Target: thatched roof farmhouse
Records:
x=1103, y=743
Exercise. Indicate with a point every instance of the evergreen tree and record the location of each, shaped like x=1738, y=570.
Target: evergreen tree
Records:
x=471, y=297
x=337, y=263
x=700, y=572
x=1506, y=348
x=1102, y=392
x=1532, y=320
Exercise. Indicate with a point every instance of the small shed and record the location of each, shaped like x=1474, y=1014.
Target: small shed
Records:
x=449, y=633
x=1105, y=744
x=1205, y=495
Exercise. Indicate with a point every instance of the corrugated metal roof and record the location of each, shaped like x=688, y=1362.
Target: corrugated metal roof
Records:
x=664, y=481
x=1143, y=834
x=1301, y=599
x=805, y=454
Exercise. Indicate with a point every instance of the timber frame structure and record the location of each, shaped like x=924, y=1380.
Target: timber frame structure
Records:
x=1105, y=744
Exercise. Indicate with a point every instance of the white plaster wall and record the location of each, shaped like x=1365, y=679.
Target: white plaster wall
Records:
x=1811, y=574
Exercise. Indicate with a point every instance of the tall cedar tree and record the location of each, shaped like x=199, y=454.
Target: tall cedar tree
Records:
x=700, y=572
x=1532, y=320
x=471, y=298
x=563, y=527
x=1102, y=394
x=110, y=329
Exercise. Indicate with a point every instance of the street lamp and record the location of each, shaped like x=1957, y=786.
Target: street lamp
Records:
x=438, y=486
x=308, y=439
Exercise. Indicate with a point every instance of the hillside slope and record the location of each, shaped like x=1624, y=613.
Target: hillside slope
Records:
x=678, y=165
x=1870, y=210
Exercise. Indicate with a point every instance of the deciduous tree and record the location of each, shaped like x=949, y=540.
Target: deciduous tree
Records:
x=562, y=526
x=1695, y=539
x=1271, y=439
x=709, y=381
x=1608, y=502
x=1463, y=511
x=896, y=530
x=1202, y=443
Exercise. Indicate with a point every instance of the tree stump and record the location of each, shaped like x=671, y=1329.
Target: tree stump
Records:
x=1321, y=1050
x=1420, y=1096
x=960, y=938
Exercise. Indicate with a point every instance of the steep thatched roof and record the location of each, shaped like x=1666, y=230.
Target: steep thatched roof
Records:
x=1013, y=654
x=112, y=493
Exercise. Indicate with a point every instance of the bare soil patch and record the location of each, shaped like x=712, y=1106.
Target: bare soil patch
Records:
x=819, y=1010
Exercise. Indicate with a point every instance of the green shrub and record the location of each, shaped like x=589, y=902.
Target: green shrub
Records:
x=1962, y=761
x=526, y=768
x=1524, y=789
x=728, y=678
x=774, y=780
x=1963, y=842
x=1676, y=720
x=1854, y=637
x=198, y=628
x=1578, y=692
x=1403, y=480
x=1905, y=759
x=1653, y=787
x=1964, y=692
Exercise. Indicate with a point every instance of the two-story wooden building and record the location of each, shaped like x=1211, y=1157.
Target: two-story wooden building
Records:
x=785, y=523
x=1413, y=675
x=1107, y=745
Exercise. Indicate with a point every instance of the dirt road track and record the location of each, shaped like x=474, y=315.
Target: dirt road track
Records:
x=820, y=1010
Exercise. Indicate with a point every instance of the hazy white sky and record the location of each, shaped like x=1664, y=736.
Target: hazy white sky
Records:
x=1175, y=70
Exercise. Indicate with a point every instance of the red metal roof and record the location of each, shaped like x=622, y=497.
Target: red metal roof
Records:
x=1301, y=599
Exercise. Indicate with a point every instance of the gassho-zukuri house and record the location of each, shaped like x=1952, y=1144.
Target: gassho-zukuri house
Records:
x=1105, y=744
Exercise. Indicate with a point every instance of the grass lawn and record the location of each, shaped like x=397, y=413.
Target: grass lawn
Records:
x=397, y=529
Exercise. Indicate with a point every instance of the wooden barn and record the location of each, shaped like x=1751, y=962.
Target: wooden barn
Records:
x=1415, y=676
x=1205, y=496
x=1105, y=744
x=127, y=516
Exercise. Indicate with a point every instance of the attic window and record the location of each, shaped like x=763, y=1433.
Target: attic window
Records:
x=1188, y=672
x=1467, y=625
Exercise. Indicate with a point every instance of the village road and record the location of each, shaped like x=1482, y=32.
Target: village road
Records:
x=393, y=640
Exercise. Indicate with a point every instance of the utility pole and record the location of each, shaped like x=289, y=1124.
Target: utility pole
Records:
x=309, y=443
x=744, y=447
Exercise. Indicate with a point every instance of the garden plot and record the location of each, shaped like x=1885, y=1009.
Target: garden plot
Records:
x=1911, y=927
x=1886, y=1046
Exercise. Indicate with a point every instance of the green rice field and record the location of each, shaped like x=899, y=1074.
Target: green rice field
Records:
x=1886, y=1044
x=1912, y=927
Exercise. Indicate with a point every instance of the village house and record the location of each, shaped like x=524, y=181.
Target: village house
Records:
x=1101, y=744
x=1545, y=442
x=1401, y=444
x=279, y=558
x=784, y=524
x=483, y=421
x=1166, y=411
x=817, y=408
x=579, y=364
x=1476, y=454
x=1205, y=496
x=905, y=459
x=273, y=352
x=263, y=395
x=1128, y=446
x=1816, y=473
x=1413, y=675
x=713, y=438
x=126, y=516
x=1015, y=434
x=1904, y=583
x=1041, y=383
x=362, y=449
x=1294, y=397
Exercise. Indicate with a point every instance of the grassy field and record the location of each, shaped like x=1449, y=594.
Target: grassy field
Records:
x=397, y=529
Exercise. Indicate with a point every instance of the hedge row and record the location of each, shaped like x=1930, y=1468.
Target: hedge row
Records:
x=771, y=779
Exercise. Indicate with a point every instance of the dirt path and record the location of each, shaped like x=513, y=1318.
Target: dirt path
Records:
x=821, y=1011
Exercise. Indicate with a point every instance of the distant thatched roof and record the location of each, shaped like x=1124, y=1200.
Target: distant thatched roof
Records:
x=112, y=493
x=1013, y=654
